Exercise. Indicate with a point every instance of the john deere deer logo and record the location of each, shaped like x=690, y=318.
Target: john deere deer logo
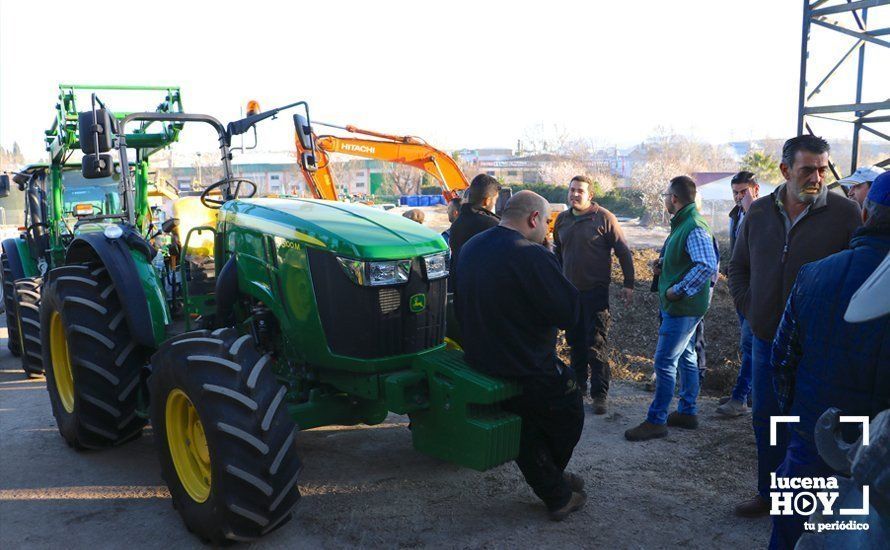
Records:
x=417, y=303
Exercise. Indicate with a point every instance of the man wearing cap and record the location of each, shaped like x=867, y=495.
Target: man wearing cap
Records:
x=821, y=361
x=857, y=184
x=798, y=223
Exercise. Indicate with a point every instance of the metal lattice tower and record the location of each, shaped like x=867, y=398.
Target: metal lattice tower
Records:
x=827, y=14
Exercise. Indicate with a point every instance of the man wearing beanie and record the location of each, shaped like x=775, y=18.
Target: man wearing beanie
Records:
x=821, y=361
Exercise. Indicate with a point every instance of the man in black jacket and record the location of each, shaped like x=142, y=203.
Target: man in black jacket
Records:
x=511, y=298
x=476, y=215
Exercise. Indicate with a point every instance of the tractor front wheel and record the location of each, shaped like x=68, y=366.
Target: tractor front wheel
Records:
x=224, y=437
x=92, y=363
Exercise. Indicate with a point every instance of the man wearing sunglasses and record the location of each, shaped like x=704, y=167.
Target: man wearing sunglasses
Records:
x=684, y=294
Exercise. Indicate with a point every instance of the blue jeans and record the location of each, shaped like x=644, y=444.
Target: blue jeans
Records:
x=743, y=382
x=675, y=350
x=764, y=405
x=801, y=460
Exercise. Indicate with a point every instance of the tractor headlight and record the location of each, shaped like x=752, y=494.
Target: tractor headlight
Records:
x=392, y=272
x=436, y=265
x=113, y=231
x=388, y=273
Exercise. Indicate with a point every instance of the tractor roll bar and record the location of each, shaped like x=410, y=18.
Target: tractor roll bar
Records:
x=126, y=184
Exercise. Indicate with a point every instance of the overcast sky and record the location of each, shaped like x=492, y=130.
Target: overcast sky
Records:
x=461, y=74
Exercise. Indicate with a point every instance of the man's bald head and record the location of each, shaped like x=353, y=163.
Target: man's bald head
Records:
x=527, y=213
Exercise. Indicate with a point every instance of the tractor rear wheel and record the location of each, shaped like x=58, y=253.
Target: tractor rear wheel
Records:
x=27, y=306
x=92, y=363
x=12, y=325
x=224, y=437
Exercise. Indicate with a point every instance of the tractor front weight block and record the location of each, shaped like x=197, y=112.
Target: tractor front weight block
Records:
x=464, y=423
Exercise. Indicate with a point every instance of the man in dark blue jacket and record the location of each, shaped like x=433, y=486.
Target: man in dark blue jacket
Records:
x=511, y=298
x=821, y=361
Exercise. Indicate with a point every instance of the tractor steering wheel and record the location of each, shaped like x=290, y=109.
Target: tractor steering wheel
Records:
x=217, y=204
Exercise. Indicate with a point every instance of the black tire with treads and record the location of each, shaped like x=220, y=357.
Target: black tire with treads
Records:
x=12, y=326
x=27, y=304
x=105, y=361
x=250, y=437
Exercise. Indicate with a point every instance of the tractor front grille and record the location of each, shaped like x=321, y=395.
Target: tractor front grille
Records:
x=374, y=322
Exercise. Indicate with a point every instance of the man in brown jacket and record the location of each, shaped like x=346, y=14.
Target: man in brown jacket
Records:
x=800, y=222
x=584, y=237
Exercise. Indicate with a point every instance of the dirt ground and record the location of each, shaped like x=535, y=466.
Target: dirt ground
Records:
x=366, y=487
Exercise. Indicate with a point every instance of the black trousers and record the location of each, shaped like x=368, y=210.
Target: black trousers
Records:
x=552, y=420
x=588, y=339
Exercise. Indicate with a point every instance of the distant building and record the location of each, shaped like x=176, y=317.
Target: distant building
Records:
x=274, y=173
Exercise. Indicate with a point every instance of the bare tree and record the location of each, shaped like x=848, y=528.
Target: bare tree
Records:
x=208, y=170
x=560, y=171
x=545, y=138
x=402, y=179
x=667, y=155
x=469, y=168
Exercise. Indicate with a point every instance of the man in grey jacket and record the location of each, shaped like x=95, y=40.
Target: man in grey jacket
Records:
x=800, y=222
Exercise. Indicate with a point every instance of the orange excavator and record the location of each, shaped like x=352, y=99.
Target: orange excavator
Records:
x=408, y=150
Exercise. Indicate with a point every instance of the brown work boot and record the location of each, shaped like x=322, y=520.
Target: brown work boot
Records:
x=574, y=481
x=680, y=420
x=599, y=405
x=753, y=508
x=575, y=503
x=646, y=431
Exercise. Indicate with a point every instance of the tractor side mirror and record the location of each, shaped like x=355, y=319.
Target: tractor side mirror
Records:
x=169, y=225
x=4, y=185
x=21, y=180
x=96, y=166
x=95, y=129
x=307, y=161
x=304, y=131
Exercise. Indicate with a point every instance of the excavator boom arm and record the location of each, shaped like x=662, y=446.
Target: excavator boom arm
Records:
x=408, y=151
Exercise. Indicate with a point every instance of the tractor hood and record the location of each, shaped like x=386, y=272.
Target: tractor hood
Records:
x=346, y=229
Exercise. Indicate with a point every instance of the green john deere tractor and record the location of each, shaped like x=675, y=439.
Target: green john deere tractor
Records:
x=60, y=203
x=308, y=313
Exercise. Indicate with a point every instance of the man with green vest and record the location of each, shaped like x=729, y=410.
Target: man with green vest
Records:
x=684, y=295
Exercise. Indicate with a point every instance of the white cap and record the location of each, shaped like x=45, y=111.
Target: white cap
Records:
x=872, y=300
x=866, y=174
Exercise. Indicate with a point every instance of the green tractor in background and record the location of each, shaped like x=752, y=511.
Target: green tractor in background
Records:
x=59, y=202
x=308, y=313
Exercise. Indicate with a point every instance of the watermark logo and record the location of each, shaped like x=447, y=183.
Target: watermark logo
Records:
x=805, y=496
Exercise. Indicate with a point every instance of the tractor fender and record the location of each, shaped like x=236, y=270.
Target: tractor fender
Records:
x=11, y=249
x=226, y=293
x=115, y=256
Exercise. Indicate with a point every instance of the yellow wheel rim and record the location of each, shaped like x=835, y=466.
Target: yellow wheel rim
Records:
x=451, y=344
x=61, y=362
x=188, y=445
